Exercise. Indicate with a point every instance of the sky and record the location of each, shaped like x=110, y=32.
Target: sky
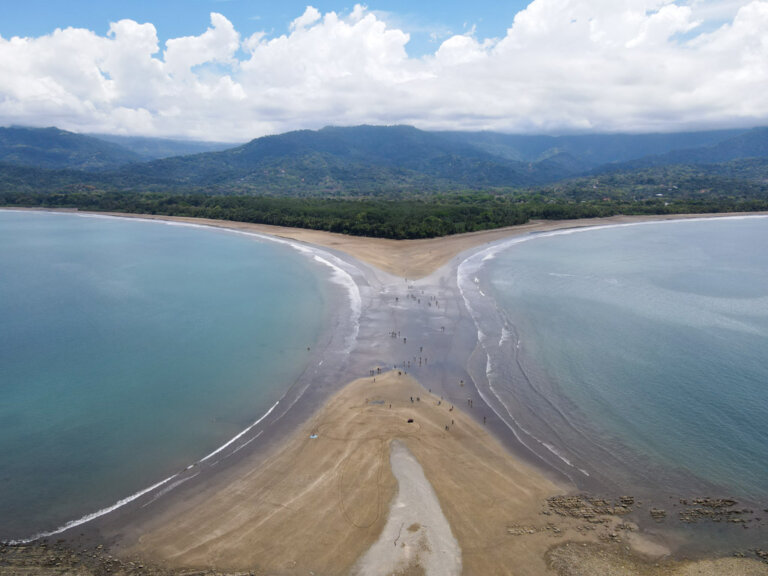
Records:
x=232, y=70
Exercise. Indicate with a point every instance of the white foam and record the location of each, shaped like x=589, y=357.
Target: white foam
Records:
x=170, y=487
x=557, y=453
x=131, y=498
x=506, y=336
x=339, y=276
x=343, y=278
x=241, y=434
x=244, y=444
x=490, y=252
x=466, y=270
x=469, y=267
x=93, y=515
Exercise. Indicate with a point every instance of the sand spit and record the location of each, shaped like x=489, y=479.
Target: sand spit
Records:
x=319, y=504
x=417, y=535
x=316, y=497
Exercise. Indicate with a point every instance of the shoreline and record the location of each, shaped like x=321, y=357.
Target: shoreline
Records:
x=327, y=359
x=413, y=259
x=499, y=337
x=392, y=277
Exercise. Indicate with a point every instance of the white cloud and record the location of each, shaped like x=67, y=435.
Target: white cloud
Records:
x=718, y=11
x=635, y=65
x=217, y=44
x=310, y=16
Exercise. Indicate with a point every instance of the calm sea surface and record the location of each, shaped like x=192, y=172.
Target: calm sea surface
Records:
x=648, y=344
x=131, y=349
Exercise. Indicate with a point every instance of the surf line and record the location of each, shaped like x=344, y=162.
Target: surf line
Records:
x=241, y=434
x=93, y=515
x=128, y=499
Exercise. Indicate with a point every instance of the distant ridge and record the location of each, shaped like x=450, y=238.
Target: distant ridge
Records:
x=745, y=145
x=591, y=150
x=149, y=148
x=373, y=161
x=52, y=148
x=361, y=159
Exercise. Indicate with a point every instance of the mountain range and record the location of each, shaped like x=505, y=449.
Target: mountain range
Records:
x=363, y=160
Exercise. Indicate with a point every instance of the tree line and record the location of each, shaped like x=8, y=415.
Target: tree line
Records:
x=430, y=216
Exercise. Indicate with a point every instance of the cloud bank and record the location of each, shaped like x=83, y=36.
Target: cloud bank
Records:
x=562, y=66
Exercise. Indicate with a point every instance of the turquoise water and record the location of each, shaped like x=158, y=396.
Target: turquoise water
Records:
x=650, y=345
x=131, y=349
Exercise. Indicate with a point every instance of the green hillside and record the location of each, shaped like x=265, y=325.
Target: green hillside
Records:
x=52, y=149
x=400, y=182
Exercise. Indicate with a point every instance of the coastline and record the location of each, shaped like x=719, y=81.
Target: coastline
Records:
x=326, y=359
x=413, y=259
x=500, y=340
x=393, y=278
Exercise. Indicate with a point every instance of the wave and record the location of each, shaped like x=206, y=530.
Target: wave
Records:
x=467, y=281
x=240, y=435
x=475, y=298
x=93, y=515
x=127, y=500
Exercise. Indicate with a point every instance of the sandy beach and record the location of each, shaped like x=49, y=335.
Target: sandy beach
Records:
x=312, y=488
x=318, y=504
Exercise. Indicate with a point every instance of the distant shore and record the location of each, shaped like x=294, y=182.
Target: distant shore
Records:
x=287, y=503
x=418, y=258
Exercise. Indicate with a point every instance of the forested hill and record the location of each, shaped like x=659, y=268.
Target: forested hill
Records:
x=591, y=150
x=149, y=148
x=381, y=161
x=742, y=146
x=363, y=160
x=51, y=148
x=394, y=181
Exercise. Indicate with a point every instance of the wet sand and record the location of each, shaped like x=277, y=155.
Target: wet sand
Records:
x=280, y=502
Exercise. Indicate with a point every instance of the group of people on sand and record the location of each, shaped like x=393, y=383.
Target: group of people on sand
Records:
x=421, y=359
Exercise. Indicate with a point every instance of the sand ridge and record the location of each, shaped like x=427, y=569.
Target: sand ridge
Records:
x=318, y=504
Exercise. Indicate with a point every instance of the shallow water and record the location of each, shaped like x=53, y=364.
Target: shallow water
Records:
x=635, y=355
x=130, y=349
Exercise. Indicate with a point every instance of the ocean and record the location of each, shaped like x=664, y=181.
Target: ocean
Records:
x=130, y=349
x=633, y=359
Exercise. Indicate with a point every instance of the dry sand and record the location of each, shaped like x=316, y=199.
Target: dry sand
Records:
x=317, y=505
